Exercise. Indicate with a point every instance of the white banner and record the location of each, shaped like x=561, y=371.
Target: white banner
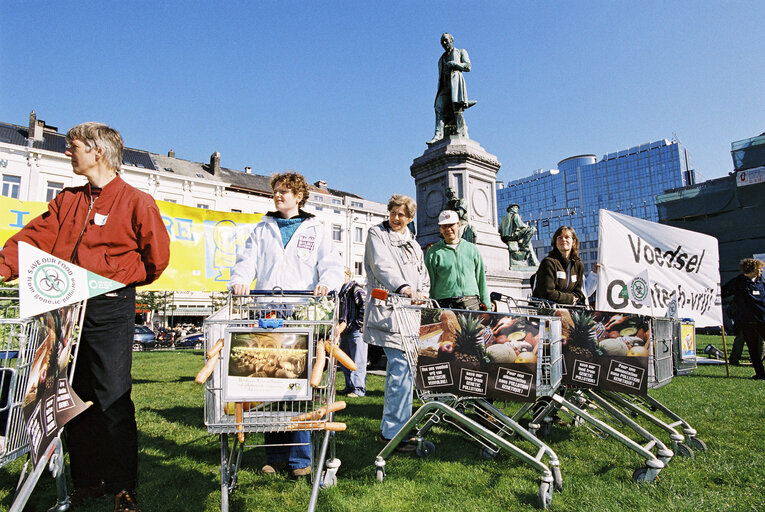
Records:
x=674, y=263
x=47, y=283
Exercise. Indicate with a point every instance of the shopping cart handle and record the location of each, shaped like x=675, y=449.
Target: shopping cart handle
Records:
x=495, y=296
x=278, y=292
x=380, y=294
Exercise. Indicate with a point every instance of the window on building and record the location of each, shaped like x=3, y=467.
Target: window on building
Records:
x=203, y=206
x=11, y=186
x=336, y=201
x=357, y=204
x=337, y=232
x=358, y=268
x=318, y=199
x=358, y=235
x=319, y=208
x=170, y=200
x=54, y=187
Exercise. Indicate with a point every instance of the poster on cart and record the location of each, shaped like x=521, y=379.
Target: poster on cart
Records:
x=647, y=266
x=471, y=353
x=606, y=350
x=49, y=402
x=267, y=364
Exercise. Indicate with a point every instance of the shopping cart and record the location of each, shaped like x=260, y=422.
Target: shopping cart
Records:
x=22, y=339
x=262, y=351
x=453, y=405
x=673, y=353
x=586, y=405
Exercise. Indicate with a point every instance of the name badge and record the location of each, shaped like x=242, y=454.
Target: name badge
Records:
x=561, y=274
x=573, y=278
x=755, y=292
x=306, y=242
x=99, y=219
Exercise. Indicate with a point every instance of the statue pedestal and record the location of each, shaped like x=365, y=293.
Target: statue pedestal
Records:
x=462, y=164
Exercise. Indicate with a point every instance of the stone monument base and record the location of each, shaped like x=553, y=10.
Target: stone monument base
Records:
x=470, y=171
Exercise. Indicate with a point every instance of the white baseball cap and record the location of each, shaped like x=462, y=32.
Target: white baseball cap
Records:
x=448, y=217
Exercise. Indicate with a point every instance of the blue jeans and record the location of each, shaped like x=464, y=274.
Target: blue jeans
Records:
x=351, y=343
x=296, y=457
x=398, y=393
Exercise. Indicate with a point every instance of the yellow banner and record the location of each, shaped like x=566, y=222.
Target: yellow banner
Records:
x=203, y=243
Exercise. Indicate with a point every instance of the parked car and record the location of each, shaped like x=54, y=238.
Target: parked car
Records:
x=195, y=341
x=143, y=339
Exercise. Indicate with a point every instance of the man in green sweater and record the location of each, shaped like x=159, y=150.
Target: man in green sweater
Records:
x=457, y=277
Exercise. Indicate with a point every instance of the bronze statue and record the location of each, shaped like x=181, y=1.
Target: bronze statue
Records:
x=517, y=235
x=451, y=97
x=457, y=204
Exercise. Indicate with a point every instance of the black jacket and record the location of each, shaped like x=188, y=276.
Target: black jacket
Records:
x=559, y=280
x=748, y=297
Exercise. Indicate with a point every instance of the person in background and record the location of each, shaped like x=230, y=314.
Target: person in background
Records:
x=748, y=291
x=393, y=261
x=560, y=275
x=455, y=268
x=590, y=286
x=114, y=230
x=290, y=249
x=351, y=311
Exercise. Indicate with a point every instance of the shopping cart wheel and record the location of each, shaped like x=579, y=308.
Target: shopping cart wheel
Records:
x=545, y=495
x=488, y=453
x=425, y=448
x=698, y=445
x=380, y=474
x=684, y=450
x=557, y=478
x=642, y=475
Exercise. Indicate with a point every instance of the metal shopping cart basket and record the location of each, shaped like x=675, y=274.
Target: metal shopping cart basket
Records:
x=582, y=395
x=684, y=347
x=264, y=374
x=453, y=382
x=29, y=347
x=670, y=355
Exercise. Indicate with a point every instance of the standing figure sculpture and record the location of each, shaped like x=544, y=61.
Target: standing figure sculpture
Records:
x=451, y=97
x=517, y=235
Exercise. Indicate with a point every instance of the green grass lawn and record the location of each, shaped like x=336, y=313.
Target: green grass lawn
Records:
x=179, y=461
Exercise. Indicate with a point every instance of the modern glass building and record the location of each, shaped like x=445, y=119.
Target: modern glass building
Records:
x=627, y=181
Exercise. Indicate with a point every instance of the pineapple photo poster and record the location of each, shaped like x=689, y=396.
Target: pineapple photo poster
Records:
x=603, y=349
x=473, y=353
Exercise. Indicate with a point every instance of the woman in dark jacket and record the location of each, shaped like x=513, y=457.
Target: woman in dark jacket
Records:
x=560, y=275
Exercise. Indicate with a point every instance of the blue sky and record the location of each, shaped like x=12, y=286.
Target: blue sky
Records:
x=343, y=91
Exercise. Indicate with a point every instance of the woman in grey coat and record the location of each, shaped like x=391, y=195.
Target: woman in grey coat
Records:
x=393, y=261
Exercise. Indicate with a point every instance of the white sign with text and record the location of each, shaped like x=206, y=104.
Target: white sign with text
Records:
x=676, y=265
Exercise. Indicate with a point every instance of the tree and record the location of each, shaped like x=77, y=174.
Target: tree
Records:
x=154, y=301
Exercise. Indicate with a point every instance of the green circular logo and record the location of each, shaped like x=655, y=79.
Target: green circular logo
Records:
x=639, y=288
x=51, y=281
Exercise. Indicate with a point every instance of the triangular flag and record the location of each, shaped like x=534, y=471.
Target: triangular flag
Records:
x=638, y=289
x=672, y=306
x=47, y=282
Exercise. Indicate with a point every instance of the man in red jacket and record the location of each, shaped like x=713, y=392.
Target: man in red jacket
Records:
x=114, y=230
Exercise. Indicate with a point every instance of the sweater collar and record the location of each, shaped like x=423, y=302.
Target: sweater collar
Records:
x=302, y=214
x=108, y=190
